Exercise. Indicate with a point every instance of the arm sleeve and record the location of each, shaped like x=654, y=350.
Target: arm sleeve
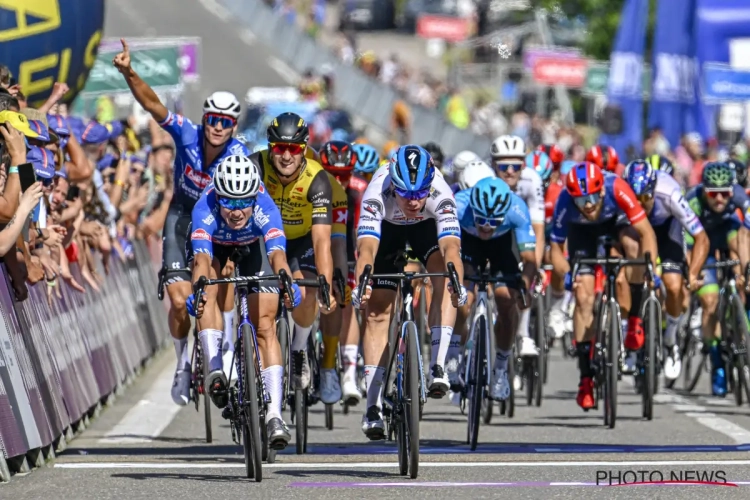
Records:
x=627, y=201
x=536, y=201
x=742, y=201
x=319, y=195
x=684, y=214
x=371, y=211
x=560, y=218
x=180, y=128
x=444, y=209
x=340, y=210
x=267, y=219
x=201, y=239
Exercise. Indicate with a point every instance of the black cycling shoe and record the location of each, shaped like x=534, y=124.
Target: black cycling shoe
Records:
x=278, y=434
x=217, y=388
x=373, y=425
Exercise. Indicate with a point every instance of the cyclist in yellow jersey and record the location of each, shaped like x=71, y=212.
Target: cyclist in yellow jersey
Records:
x=302, y=190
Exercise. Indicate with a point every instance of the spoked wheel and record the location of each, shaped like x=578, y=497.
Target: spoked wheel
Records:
x=648, y=388
x=282, y=333
x=695, y=362
x=477, y=383
x=742, y=357
x=329, y=416
x=613, y=362
x=300, y=420
x=413, y=399
x=530, y=378
x=251, y=426
x=206, y=404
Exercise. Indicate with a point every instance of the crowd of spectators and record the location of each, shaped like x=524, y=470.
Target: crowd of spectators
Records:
x=98, y=187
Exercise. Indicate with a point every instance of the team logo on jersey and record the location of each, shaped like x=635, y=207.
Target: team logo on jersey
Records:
x=261, y=219
x=273, y=233
x=200, y=234
x=340, y=215
x=300, y=189
x=197, y=177
x=373, y=206
x=209, y=219
x=446, y=206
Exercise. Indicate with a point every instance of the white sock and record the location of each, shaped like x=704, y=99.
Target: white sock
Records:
x=624, y=325
x=180, y=349
x=211, y=344
x=670, y=334
x=349, y=358
x=273, y=380
x=301, y=334
x=441, y=341
x=557, y=299
x=501, y=359
x=567, y=299
x=374, y=383
x=228, y=343
x=454, y=350
x=523, y=323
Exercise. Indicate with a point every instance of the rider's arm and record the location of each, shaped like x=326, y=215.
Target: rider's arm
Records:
x=628, y=203
x=536, y=212
x=445, y=210
x=560, y=222
x=690, y=222
x=201, y=237
x=540, y=243
x=367, y=248
x=742, y=200
x=338, y=229
x=145, y=95
x=267, y=219
x=450, y=248
x=320, y=196
x=526, y=239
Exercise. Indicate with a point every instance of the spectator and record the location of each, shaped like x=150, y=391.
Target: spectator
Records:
x=456, y=110
x=401, y=121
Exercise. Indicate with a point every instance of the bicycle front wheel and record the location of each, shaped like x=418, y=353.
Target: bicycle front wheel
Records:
x=206, y=401
x=251, y=427
x=541, y=343
x=652, y=329
x=477, y=381
x=613, y=360
x=742, y=357
x=413, y=398
x=282, y=333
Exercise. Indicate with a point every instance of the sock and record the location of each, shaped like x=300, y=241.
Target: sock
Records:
x=670, y=333
x=273, y=380
x=330, y=344
x=349, y=361
x=301, y=334
x=557, y=299
x=180, y=349
x=584, y=358
x=454, y=350
x=567, y=299
x=501, y=359
x=523, y=324
x=636, y=294
x=211, y=344
x=228, y=342
x=374, y=383
x=441, y=341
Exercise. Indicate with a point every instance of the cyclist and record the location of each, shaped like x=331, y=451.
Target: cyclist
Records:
x=661, y=164
x=338, y=159
x=459, y=163
x=302, y=190
x=496, y=227
x=228, y=221
x=368, y=162
x=606, y=158
x=199, y=149
x=438, y=157
x=739, y=169
x=717, y=201
x=407, y=203
x=594, y=204
x=508, y=159
x=474, y=172
x=669, y=214
x=542, y=165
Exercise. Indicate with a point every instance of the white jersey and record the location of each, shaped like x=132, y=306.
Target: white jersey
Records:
x=379, y=204
x=670, y=202
x=531, y=190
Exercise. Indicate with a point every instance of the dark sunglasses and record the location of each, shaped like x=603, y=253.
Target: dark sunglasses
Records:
x=412, y=195
x=215, y=120
x=504, y=167
x=582, y=201
x=279, y=148
x=235, y=203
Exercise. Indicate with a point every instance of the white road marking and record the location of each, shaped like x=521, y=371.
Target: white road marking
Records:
x=150, y=416
x=218, y=10
x=385, y=465
x=703, y=416
x=248, y=37
x=283, y=69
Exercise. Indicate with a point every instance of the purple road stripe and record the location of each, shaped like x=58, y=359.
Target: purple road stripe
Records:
x=425, y=484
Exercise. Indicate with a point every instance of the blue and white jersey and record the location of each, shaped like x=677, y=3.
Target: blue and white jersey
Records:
x=190, y=175
x=669, y=202
x=209, y=226
x=517, y=219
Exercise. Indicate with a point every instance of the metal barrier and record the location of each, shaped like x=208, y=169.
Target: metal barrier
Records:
x=61, y=359
x=354, y=91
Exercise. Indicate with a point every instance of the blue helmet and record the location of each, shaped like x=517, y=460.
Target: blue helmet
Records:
x=367, y=158
x=541, y=162
x=490, y=198
x=340, y=134
x=411, y=168
x=641, y=176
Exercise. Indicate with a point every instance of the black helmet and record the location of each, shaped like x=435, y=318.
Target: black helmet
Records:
x=740, y=171
x=437, y=154
x=662, y=164
x=288, y=127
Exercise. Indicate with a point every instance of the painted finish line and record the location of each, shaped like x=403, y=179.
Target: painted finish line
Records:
x=426, y=484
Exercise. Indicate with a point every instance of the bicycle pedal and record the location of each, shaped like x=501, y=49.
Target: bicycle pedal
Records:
x=226, y=413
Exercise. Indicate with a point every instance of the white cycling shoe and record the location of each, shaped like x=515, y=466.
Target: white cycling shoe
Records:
x=528, y=347
x=452, y=369
x=352, y=395
x=557, y=322
x=500, y=390
x=330, y=389
x=672, y=363
x=181, y=387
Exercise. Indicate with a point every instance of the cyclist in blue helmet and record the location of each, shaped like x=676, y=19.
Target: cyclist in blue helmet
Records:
x=491, y=218
x=412, y=171
x=542, y=164
x=368, y=160
x=340, y=134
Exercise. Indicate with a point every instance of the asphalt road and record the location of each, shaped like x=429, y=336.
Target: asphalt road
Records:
x=145, y=447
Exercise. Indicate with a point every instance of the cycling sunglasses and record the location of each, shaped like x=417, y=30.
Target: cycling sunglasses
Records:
x=485, y=222
x=412, y=195
x=714, y=193
x=582, y=201
x=215, y=120
x=279, y=148
x=235, y=203
x=504, y=167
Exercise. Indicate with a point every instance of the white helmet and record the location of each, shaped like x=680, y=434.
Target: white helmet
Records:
x=508, y=146
x=237, y=176
x=222, y=103
x=473, y=173
x=462, y=159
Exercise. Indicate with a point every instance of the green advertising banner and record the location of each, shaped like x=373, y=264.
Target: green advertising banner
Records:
x=597, y=77
x=159, y=68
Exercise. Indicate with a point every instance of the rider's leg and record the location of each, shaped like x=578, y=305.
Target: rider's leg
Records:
x=671, y=243
x=179, y=328
x=629, y=296
x=304, y=317
x=226, y=299
x=504, y=330
x=349, y=348
x=330, y=326
x=210, y=335
x=584, y=330
x=442, y=318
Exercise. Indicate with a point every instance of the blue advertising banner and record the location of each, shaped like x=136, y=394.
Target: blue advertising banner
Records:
x=721, y=83
x=625, y=80
x=673, y=92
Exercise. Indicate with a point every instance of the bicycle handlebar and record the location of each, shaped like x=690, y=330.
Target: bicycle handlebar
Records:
x=367, y=275
x=614, y=264
x=163, y=272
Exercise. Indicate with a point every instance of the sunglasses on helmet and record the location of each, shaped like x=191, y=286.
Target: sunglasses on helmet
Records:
x=413, y=195
x=225, y=121
x=279, y=148
x=716, y=192
x=235, y=203
x=487, y=222
x=582, y=201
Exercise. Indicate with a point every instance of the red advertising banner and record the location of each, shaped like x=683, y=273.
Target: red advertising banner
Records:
x=563, y=71
x=451, y=29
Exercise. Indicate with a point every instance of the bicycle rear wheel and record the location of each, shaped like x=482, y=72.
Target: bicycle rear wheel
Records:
x=282, y=333
x=206, y=402
x=541, y=342
x=300, y=419
x=613, y=360
x=742, y=357
x=477, y=381
x=251, y=426
x=329, y=416
x=652, y=329
x=413, y=398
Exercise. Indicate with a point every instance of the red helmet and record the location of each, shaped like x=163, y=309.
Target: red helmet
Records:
x=604, y=156
x=554, y=152
x=338, y=157
x=584, y=178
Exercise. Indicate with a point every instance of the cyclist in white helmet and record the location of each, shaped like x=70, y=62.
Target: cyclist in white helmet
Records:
x=508, y=158
x=474, y=172
x=459, y=163
x=228, y=222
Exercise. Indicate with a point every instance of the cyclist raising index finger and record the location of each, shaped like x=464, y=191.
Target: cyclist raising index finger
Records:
x=199, y=148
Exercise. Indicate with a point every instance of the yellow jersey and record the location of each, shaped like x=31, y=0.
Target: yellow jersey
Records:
x=312, y=198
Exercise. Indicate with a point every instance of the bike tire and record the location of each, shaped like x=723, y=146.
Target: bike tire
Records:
x=300, y=420
x=282, y=333
x=329, y=416
x=413, y=396
x=652, y=329
x=207, y=406
x=477, y=382
x=541, y=342
x=741, y=342
x=251, y=427
x=422, y=316
x=613, y=360
x=510, y=403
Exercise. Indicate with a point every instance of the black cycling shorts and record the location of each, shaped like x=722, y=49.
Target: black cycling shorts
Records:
x=502, y=252
x=670, y=240
x=300, y=254
x=421, y=237
x=174, y=242
x=583, y=239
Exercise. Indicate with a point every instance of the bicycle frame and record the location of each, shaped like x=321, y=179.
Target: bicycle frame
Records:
x=241, y=292
x=481, y=307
